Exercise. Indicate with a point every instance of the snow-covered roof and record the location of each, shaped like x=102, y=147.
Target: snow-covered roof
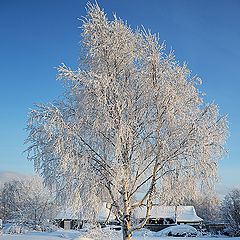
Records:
x=67, y=214
x=187, y=214
x=102, y=215
x=183, y=213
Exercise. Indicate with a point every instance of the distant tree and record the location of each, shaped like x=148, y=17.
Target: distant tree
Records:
x=2, y=210
x=230, y=210
x=131, y=120
x=27, y=201
x=207, y=206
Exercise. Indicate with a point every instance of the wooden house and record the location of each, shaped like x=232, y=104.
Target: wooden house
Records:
x=164, y=216
x=66, y=219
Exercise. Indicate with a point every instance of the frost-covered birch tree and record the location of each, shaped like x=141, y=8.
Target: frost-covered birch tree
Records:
x=230, y=211
x=131, y=126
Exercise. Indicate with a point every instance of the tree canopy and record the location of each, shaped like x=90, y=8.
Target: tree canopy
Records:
x=131, y=120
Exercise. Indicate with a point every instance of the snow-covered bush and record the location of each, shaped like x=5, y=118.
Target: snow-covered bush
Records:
x=17, y=228
x=178, y=231
x=102, y=234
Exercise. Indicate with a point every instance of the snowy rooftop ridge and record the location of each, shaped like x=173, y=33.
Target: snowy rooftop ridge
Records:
x=68, y=214
x=182, y=213
x=103, y=214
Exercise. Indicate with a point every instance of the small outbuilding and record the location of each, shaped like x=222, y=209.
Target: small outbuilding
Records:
x=68, y=220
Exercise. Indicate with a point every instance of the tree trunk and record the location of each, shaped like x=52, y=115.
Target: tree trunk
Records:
x=126, y=226
x=126, y=235
x=35, y=219
x=126, y=223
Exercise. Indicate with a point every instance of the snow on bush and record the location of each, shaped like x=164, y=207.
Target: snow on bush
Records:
x=101, y=234
x=15, y=228
x=19, y=228
x=178, y=231
x=107, y=234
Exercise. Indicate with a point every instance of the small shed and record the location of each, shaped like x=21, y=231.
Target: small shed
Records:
x=68, y=220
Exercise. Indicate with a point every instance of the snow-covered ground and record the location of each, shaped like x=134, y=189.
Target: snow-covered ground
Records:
x=97, y=234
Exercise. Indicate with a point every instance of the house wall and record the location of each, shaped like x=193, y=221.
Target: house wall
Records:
x=69, y=224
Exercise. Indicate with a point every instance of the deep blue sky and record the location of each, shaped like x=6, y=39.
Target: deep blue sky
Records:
x=36, y=36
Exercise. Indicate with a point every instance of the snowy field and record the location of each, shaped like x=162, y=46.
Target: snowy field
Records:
x=98, y=235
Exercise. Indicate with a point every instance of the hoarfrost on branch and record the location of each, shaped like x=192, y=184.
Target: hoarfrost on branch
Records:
x=131, y=128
